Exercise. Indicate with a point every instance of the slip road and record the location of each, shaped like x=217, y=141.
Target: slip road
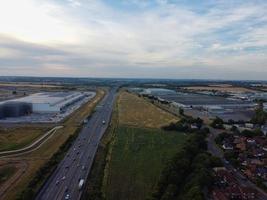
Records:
x=65, y=182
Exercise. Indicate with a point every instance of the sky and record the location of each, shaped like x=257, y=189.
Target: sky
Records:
x=177, y=39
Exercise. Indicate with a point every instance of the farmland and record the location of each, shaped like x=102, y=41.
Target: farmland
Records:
x=220, y=88
x=135, y=111
x=138, y=156
x=136, y=151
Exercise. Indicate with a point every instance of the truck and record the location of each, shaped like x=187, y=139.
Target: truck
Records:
x=81, y=183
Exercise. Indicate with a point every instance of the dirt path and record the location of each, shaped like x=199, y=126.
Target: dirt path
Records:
x=35, y=145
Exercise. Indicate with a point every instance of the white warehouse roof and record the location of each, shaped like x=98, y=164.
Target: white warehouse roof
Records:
x=50, y=101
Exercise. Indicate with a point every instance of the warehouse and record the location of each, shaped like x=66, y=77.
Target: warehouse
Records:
x=49, y=102
x=15, y=109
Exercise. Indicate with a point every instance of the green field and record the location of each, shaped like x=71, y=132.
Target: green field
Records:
x=138, y=156
x=16, y=138
x=6, y=173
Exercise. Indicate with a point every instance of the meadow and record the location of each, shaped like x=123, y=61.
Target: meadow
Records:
x=138, y=156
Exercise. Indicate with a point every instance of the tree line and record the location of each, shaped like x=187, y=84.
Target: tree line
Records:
x=188, y=173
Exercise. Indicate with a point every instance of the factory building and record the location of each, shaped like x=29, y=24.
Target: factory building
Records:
x=47, y=102
x=15, y=109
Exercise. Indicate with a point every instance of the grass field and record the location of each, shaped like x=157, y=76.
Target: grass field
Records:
x=220, y=88
x=15, y=138
x=138, y=156
x=138, y=150
x=6, y=172
x=18, y=84
x=135, y=111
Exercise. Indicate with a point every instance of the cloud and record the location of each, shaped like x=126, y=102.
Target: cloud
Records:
x=156, y=38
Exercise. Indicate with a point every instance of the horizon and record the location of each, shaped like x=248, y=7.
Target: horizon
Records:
x=134, y=39
x=137, y=78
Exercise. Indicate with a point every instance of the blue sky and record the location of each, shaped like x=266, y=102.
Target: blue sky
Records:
x=218, y=39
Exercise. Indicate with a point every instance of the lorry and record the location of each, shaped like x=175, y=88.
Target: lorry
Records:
x=81, y=183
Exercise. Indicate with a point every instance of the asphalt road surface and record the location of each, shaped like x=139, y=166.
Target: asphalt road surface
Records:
x=64, y=182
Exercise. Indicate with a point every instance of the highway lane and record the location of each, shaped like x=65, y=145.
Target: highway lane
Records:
x=63, y=183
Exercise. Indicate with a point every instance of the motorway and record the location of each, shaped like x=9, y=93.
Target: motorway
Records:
x=63, y=183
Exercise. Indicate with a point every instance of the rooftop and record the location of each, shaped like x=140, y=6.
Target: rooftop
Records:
x=51, y=98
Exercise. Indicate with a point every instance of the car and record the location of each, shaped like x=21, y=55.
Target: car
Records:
x=67, y=167
x=64, y=177
x=78, y=153
x=83, y=167
x=67, y=197
x=74, y=159
x=57, y=182
x=81, y=183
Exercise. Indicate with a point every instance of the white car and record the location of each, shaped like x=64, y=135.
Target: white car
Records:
x=67, y=197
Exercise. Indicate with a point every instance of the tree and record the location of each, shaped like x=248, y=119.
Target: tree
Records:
x=217, y=123
x=194, y=193
x=260, y=116
x=248, y=133
x=181, y=111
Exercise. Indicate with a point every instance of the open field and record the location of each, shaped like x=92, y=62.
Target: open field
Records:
x=220, y=88
x=138, y=156
x=29, y=85
x=6, y=172
x=18, y=137
x=138, y=149
x=135, y=111
x=37, y=158
x=131, y=156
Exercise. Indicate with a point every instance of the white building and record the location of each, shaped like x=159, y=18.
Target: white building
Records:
x=51, y=102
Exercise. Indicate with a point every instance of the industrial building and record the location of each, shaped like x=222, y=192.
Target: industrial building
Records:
x=45, y=102
x=15, y=109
